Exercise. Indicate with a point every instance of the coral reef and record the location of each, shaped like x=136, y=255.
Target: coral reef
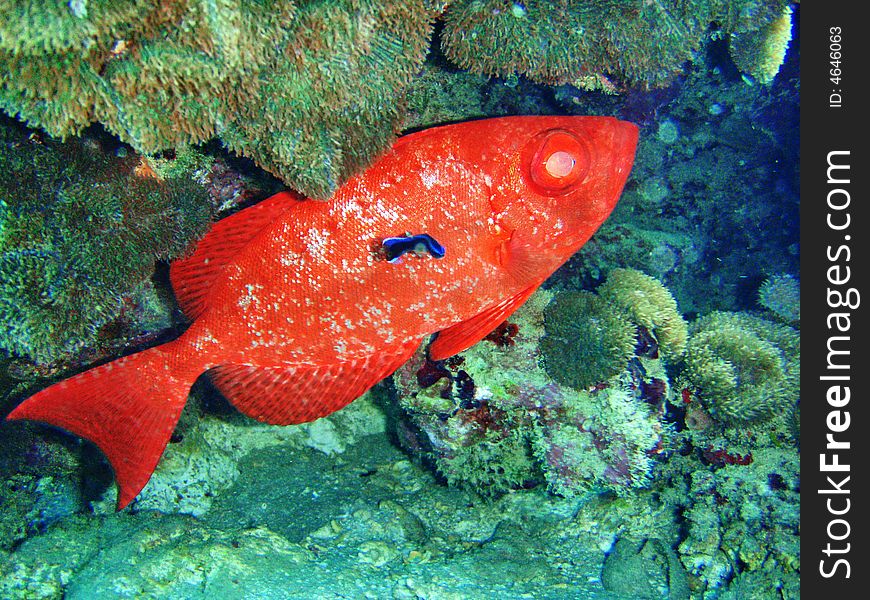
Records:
x=365, y=523
x=80, y=229
x=326, y=94
x=742, y=520
x=591, y=337
x=710, y=211
x=743, y=367
x=566, y=40
x=600, y=439
x=206, y=451
x=735, y=482
x=781, y=295
x=310, y=92
x=491, y=419
x=588, y=42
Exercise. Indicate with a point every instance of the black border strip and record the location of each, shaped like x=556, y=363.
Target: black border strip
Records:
x=835, y=470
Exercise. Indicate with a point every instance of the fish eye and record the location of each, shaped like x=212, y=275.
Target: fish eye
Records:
x=560, y=160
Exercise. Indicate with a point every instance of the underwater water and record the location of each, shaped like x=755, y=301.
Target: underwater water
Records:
x=631, y=431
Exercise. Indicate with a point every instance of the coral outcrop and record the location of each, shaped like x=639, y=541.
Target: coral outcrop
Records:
x=311, y=91
x=587, y=42
x=598, y=439
x=591, y=337
x=741, y=522
x=649, y=304
x=491, y=419
x=314, y=91
x=565, y=41
x=586, y=340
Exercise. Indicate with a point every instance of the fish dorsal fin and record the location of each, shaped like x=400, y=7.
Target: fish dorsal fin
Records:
x=302, y=393
x=464, y=335
x=193, y=277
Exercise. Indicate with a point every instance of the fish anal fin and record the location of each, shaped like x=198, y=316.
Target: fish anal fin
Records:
x=464, y=335
x=193, y=277
x=303, y=393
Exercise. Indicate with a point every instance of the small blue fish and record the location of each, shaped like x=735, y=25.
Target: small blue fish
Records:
x=395, y=247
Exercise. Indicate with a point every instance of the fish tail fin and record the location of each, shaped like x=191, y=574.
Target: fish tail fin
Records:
x=128, y=408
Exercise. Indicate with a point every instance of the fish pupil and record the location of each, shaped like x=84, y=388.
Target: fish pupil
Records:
x=559, y=164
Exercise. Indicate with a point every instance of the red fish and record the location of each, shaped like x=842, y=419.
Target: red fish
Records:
x=296, y=310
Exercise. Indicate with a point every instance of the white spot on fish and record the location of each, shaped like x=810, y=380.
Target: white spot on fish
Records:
x=429, y=179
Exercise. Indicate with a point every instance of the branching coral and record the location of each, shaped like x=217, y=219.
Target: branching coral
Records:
x=311, y=93
x=744, y=368
x=79, y=233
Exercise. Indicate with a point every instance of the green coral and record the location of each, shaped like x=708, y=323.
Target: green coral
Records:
x=591, y=337
x=761, y=52
x=494, y=420
x=743, y=367
x=599, y=439
x=79, y=233
x=740, y=521
x=313, y=91
x=564, y=40
x=586, y=341
x=781, y=294
x=491, y=463
x=649, y=304
x=577, y=41
x=309, y=92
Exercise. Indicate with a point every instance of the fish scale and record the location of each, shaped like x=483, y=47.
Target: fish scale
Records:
x=296, y=311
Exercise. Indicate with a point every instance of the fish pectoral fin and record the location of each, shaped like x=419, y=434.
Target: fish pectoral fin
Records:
x=193, y=277
x=522, y=259
x=304, y=392
x=464, y=335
